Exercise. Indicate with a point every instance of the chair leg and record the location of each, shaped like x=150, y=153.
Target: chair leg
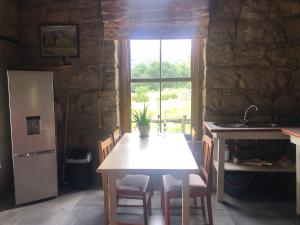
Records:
x=166, y=209
x=202, y=206
x=209, y=209
x=151, y=189
x=162, y=203
x=162, y=197
x=149, y=204
x=195, y=201
x=145, y=210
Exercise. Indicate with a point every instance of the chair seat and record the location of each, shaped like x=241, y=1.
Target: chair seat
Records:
x=172, y=185
x=133, y=182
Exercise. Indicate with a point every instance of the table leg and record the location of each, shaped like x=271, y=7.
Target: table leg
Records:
x=106, y=200
x=215, y=149
x=220, y=171
x=185, y=200
x=298, y=178
x=215, y=158
x=296, y=141
x=112, y=199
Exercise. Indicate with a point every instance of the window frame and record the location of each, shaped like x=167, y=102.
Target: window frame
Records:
x=162, y=80
x=196, y=79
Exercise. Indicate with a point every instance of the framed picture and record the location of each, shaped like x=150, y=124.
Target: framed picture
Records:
x=59, y=40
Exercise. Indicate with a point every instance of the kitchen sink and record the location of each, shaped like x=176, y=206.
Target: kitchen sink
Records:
x=262, y=125
x=230, y=125
x=250, y=125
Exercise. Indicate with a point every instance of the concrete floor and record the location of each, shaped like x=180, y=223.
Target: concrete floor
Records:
x=86, y=208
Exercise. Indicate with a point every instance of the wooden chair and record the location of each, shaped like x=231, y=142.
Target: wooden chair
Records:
x=116, y=135
x=129, y=187
x=200, y=184
x=192, y=144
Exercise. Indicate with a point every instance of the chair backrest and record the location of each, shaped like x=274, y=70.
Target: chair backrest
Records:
x=105, y=147
x=194, y=139
x=116, y=135
x=206, y=160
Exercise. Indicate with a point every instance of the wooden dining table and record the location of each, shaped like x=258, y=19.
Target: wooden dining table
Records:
x=160, y=154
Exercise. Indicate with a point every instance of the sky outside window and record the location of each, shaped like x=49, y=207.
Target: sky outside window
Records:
x=176, y=51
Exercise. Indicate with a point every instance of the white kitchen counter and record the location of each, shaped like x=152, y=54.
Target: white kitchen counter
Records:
x=220, y=134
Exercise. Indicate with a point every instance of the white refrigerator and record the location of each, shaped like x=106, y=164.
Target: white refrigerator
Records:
x=32, y=120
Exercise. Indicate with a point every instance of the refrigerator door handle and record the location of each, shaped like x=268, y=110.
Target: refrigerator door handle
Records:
x=29, y=154
x=44, y=152
x=19, y=155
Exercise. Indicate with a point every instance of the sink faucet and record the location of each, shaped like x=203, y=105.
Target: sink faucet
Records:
x=244, y=120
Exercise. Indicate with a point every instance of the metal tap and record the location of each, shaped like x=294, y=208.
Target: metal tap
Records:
x=244, y=120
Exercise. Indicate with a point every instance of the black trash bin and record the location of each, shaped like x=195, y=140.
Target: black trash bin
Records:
x=79, y=168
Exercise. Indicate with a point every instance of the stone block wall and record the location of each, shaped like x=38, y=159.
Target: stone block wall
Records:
x=252, y=57
x=8, y=52
x=89, y=85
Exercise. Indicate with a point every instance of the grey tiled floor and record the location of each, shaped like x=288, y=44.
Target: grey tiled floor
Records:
x=86, y=208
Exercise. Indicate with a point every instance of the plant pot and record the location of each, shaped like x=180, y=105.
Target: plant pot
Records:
x=144, y=130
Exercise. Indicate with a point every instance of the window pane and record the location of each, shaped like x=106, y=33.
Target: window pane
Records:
x=148, y=94
x=176, y=58
x=176, y=106
x=145, y=59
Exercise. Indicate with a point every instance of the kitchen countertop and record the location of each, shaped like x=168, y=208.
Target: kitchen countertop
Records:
x=214, y=128
x=291, y=131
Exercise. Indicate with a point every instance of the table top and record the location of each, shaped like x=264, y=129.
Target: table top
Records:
x=168, y=153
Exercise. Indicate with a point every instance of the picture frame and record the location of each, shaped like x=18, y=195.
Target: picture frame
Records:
x=59, y=41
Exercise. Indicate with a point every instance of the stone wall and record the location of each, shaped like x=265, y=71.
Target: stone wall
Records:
x=253, y=51
x=89, y=84
x=8, y=30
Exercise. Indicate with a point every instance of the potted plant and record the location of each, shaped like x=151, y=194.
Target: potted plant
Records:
x=142, y=119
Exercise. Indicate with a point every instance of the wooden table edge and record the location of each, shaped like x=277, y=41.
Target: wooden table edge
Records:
x=148, y=171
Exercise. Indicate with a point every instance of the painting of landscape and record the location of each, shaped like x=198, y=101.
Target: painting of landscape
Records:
x=57, y=41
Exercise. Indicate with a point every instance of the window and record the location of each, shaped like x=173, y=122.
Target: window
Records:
x=160, y=78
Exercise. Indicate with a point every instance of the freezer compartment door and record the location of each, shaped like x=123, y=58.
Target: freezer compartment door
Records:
x=35, y=176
